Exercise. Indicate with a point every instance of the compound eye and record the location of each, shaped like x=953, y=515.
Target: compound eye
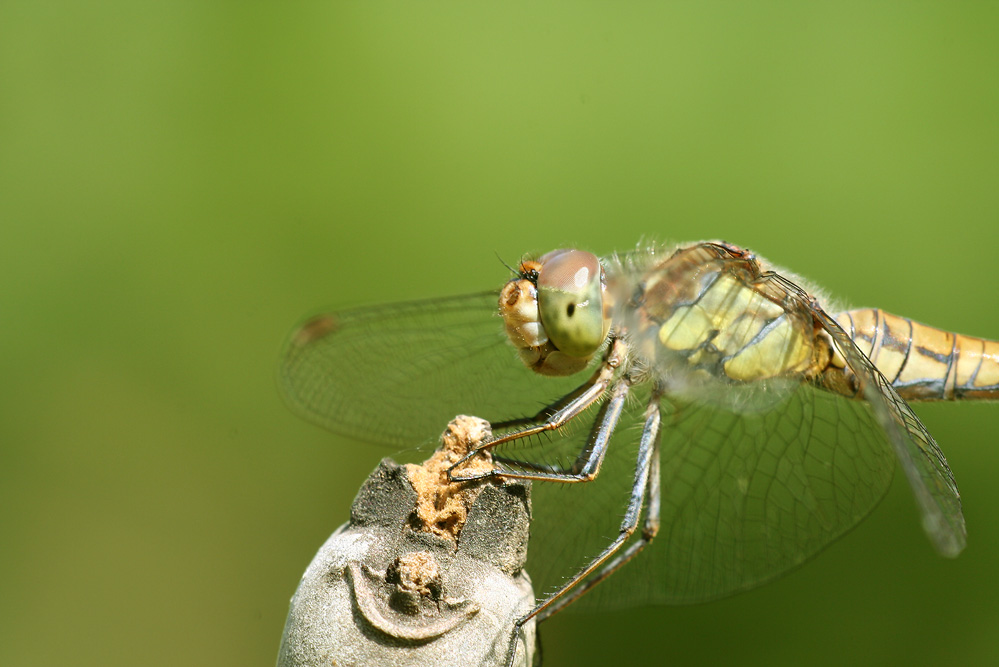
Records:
x=570, y=301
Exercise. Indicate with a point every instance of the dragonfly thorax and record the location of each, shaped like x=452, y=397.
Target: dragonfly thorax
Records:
x=557, y=311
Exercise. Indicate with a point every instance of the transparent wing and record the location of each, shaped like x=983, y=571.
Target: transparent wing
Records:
x=397, y=374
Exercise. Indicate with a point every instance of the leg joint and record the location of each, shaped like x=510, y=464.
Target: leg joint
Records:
x=650, y=530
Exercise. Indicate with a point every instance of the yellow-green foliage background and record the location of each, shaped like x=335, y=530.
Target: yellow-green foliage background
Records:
x=179, y=182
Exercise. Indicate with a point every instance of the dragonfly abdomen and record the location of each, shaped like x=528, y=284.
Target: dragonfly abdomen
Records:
x=924, y=363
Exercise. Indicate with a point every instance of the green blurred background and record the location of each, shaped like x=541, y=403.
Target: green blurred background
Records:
x=180, y=182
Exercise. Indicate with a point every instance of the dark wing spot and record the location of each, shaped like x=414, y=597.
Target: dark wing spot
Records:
x=314, y=329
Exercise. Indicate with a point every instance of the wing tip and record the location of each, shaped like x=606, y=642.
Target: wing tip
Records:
x=949, y=540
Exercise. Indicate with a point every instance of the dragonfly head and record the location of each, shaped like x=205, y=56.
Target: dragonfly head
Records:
x=557, y=311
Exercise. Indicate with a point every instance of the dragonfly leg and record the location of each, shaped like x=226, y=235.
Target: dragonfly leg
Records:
x=649, y=528
x=646, y=483
x=613, y=358
x=579, y=400
x=587, y=463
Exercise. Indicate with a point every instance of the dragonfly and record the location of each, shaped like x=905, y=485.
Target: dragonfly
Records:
x=754, y=426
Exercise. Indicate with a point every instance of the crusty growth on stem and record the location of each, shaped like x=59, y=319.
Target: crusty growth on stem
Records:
x=442, y=506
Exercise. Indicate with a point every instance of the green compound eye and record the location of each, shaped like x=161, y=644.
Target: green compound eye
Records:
x=570, y=301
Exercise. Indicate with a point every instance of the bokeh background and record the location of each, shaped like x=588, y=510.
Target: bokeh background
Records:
x=180, y=182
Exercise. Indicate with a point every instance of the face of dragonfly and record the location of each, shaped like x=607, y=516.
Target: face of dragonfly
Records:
x=557, y=312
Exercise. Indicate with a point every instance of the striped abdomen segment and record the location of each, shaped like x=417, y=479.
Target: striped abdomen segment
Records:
x=921, y=362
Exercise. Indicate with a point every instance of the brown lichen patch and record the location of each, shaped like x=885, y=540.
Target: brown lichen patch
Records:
x=441, y=505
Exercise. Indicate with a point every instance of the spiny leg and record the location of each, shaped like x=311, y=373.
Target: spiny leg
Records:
x=587, y=463
x=646, y=481
x=545, y=413
x=613, y=358
x=650, y=528
x=572, y=405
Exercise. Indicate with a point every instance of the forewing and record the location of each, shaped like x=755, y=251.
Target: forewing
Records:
x=396, y=374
